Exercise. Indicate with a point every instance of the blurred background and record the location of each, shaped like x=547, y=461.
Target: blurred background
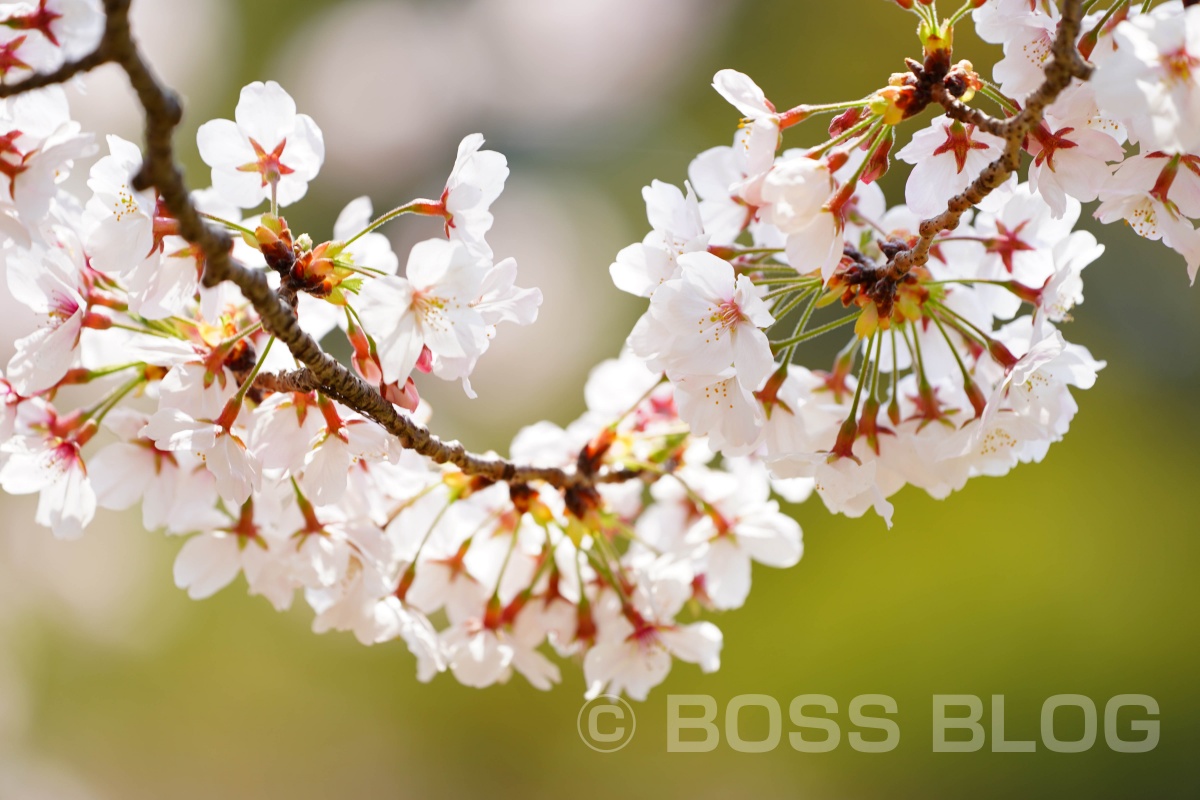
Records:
x=1077, y=575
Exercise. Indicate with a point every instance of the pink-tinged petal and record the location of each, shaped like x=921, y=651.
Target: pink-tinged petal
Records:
x=399, y=352
x=357, y=214
x=235, y=470
x=931, y=183
x=469, y=145
x=625, y=668
x=698, y=643
x=383, y=303
x=245, y=189
x=325, y=472
x=817, y=245
x=68, y=504
x=479, y=659
x=222, y=146
x=206, y=564
x=291, y=189
x=44, y=356
x=29, y=470
x=1185, y=191
x=118, y=246
x=752, y=356
x=665, y=206
x=160, y=288
x=265, y=112
x=757, y=153
x=186, y=387
x=429, y=262
x=795, y=191
x=640, y=269
x=710, y=276
x=724, y=220
x=541, y=672
x=454, y=332
x=172, y=429
x=753, y=308
x=647, y=340
x=742, y=92
x=722, y=409
x=713, y=172
x=41, y=284
x=1179, y=235
x=775, y=542
x=477, y=182
x=503, y=301
x=121, y=473
x=305, y=151
x=727, y=574
x=702, y=352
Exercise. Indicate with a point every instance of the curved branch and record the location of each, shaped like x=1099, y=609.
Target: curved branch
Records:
x=968, y=115
x=40, y=80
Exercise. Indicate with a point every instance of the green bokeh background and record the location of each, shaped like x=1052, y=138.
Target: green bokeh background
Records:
x=1077, y=575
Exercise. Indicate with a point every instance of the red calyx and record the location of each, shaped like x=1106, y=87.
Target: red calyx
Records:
x=39, y=20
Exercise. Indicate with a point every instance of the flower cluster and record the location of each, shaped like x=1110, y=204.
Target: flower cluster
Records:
x=140, y=384
x=956, y=368
x=145, y=380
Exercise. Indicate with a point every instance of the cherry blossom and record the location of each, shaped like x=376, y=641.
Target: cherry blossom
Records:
x=267, y=152
x=718, y=174
x=1027, y=43
x=946, y=156
x=431, y=307
x=797, y=195
x=197, y=413
x=48, y=459
x=52, y=283
x=39, y=142
x=762, y=124
x=173, y=487
x=475, y=182
x=1156, y=195
x=121, y=220
x=999, y=21
x=1070, y=160
x=1152, y=79
x=499, y=300
x=707, y=320
x=634, y=646
x=678, y=228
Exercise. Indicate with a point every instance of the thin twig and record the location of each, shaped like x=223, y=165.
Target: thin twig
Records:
x=968, y=115
x=101, y=55
x=1065, y=63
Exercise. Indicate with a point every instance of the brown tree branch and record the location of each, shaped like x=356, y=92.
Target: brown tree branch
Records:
x=968, y=115
x=69, y=70
x=1065, y=63
x=298, y=380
